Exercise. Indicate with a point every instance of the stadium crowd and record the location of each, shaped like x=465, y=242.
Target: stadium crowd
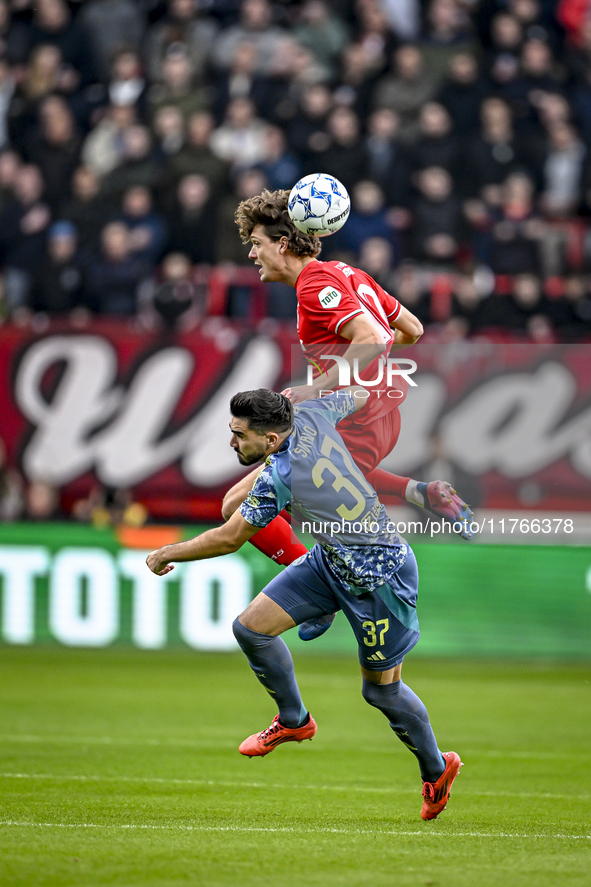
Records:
x=129, y=131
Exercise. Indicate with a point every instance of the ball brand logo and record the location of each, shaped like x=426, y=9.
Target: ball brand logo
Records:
x=337, y=218
x=393, y=367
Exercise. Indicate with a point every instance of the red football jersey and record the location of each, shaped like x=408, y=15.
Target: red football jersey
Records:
x=329, y=295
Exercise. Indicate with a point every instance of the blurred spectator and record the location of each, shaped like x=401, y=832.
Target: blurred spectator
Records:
x=23, y=223
x=369, y=218
x=409, y=286
x=255, y=26
x=139, y=166
x=42, y=77
x=323, y=32
x=571, y=314
x=403, y=17
x=107, y=25
x=376, y=32
x=306, y=126
x=196, y=156
x=376, y=257
x=55, y=148
x=243, y=80
x=462, y=92
x=9, y=164
x=104, y=146
x=229, y=247
x=447, y=32
x=87, y=210
x=192, y=220
x=280, y=166
x=361, y=64
x=110, y=507
x=345, y=156
x=53, y=24
x=240, y=140
x=184, y=23
x=506, y=39
x=114, y=276
x=436, y=213
x=42, y=502
x=169, y=130
x=407, y=89
x=530, y=302
x=563, y=170
x=147, y=228
x=7, y=86
x=467, y=302
x=538, y=74
x=173, y=297
x=437, y=144
x=387, y=163
x=57, y=286
x=508, y=232
x=493, y=152
x=177, y=84
x=127, y=84
x=11, y=489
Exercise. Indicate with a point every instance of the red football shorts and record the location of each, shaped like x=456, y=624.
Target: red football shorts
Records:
x=369, y=444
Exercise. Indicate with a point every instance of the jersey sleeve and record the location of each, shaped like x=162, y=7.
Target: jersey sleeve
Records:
x=390, y=304
x=326, y=302
x=260, y=506
x=333, y=407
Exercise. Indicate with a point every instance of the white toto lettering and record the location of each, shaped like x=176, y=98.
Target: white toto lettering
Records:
x=19, y=565
x=78, y=615
x=84, y=587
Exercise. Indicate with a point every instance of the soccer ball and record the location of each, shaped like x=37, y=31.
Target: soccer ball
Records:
x=318, y=204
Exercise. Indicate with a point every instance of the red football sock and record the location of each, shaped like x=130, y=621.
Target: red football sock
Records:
x=279, y=542
x=390, y=484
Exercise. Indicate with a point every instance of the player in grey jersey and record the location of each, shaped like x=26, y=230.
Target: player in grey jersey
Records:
x=359, y=565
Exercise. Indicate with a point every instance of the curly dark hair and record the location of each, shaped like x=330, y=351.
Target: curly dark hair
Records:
x=269, y=209
x=263, y=409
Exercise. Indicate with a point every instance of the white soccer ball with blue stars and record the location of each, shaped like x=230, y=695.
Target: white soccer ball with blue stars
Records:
x=318, y=204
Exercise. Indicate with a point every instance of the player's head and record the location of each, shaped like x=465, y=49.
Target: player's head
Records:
x=268, y=211
x=261, y=420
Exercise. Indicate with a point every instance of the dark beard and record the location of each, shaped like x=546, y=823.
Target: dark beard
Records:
x=250, y=461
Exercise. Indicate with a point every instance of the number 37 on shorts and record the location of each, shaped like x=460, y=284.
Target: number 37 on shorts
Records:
x=376, y=632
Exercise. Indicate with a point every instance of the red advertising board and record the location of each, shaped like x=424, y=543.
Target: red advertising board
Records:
x=131, y=409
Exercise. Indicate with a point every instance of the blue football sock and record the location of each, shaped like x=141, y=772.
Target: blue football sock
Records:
x=271, y=661
x=409, y=719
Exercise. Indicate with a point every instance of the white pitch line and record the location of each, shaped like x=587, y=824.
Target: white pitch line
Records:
x=108, y=740
x=207, y=743
x=289, y=830
x=161, y=780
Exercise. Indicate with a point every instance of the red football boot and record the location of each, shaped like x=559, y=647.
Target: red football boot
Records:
x=260, y=744
x=436, y=794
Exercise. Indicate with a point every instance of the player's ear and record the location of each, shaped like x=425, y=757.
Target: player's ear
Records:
x=283, y=244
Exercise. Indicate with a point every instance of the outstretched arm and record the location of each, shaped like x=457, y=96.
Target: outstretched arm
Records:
x=408, y=328
x=222, y=540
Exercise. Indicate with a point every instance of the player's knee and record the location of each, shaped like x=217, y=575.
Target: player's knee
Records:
x=241, y=633
x=378, y=694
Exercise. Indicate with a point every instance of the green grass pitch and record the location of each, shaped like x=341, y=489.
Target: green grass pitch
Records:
x=121, y=767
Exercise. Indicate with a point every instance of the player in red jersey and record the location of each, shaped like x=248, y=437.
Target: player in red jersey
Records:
x=343, y=311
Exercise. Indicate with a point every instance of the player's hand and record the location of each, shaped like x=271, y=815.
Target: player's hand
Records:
x=158, y=563
x=300, y=393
